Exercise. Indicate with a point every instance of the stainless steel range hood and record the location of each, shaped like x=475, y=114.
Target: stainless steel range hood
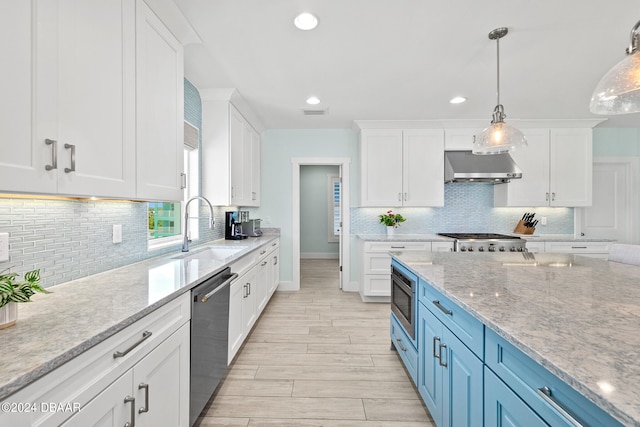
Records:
x=463, y=166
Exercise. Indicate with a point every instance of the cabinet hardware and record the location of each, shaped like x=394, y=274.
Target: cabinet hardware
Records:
x=244, y=292
x=553, y=197
x=219, y=288
x=73, y=158
x=248, y=289
x=276, y=260
x=397, y=247
x=131, y=400
x=546, y=197
x=145, y=387
x=263, y=264
x=442, y=308
x=399, y=197
x=54, y=154
x=435, y=339
x=403, y=348
x=274, y=244
x=578, y=247
x=145, y=335
x=263, y=252
x=405, y=197
x=546, y=395
x=183, y=180
x=442, y=362
x=253, y=195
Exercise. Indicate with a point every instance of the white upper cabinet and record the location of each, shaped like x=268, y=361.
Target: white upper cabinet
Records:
x=402, y=168
x=90, y=82
x=160, y=109
x=230, y=155
x=72, y=82
x=459, y=139
x=556, y=170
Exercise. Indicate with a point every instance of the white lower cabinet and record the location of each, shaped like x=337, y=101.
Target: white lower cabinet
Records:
x=155, y=392
x=250, y=292
x=376, y=264
x=93, y=386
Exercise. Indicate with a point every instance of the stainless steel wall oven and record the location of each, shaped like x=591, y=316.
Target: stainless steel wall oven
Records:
x=403, y=304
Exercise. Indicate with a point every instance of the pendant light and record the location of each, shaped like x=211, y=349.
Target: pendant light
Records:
x=618, y=92
x=500, y=137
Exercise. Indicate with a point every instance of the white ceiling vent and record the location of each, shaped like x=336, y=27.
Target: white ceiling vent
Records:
x=314, y=111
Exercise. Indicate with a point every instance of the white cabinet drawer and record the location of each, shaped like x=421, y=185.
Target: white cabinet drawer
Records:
x=396, y=246
x=84, y=377
x=578, y=247
x=377, y=285
x=377, y=263
x=535, y=247
x=441, y=246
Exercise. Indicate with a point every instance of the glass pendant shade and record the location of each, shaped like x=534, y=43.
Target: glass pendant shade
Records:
x=618, y=92
x=499, y=138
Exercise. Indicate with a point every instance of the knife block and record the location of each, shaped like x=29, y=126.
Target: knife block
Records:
x=523, y=229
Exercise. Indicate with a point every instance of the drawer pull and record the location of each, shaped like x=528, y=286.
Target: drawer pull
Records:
x=436, y=355
x=442, y=362
x=131, y=400
x=397, y=247
x=145, y=387
x=403, y=348
x=145, y=335
x=547, y=396
x=578, y=247
x=442, y=308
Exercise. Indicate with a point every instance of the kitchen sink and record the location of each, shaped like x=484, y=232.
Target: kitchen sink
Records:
x=211, y=253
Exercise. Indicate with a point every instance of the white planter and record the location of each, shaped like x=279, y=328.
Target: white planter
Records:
x=8, y=315
x=391, y=230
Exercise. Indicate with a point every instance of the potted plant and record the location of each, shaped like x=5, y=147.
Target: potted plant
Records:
x=391, y=220
x=13, y=291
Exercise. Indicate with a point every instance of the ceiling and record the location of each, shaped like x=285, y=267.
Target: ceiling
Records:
x=405, y=59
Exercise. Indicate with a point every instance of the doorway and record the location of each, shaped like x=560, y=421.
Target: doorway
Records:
x=614, y=212
x=343, y=165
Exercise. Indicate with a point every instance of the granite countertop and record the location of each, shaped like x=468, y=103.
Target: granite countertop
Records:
x=57, y=327
x=578, y=317
x=558, y=238
x=403, y=238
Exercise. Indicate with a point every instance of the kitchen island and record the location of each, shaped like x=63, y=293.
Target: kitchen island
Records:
x=577, y=317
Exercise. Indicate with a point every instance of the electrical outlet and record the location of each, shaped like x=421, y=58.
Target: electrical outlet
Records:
x=543, y=220
x=117, y=233
x=4, y=247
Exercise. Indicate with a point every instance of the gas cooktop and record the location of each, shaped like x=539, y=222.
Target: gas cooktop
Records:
x=489, y=242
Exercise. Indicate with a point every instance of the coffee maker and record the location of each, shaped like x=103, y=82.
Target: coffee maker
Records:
x=233, y=224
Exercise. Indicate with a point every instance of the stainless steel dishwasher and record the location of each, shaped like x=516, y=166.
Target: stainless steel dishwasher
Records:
x=209, y=338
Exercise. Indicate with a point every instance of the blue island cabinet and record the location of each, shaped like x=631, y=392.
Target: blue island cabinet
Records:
x=450, y=376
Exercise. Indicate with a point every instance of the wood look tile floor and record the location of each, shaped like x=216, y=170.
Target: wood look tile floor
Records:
x=318, y=357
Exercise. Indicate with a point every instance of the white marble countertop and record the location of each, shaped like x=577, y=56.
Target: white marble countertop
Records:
x=397, y=237
x=558, y=238
x=578, y=317
x=79, y=314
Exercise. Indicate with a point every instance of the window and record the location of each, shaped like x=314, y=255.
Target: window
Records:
x=334, y=208
x=165, y=218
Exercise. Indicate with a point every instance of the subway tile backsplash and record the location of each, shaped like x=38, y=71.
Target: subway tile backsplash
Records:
x=69, y=239
x=467, y=208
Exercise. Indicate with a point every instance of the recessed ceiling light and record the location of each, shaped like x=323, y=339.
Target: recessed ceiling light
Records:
x=458, y=100
x=306, y=21
x=313, y=100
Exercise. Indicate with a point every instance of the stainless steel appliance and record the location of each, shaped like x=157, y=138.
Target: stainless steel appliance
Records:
x=252, y=228
x=486, y=242
x=233, y=225
x=209, y=338
x=403, y=300
x=464, y=166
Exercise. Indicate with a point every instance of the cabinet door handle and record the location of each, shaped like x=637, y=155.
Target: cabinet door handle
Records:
x=54, y=154
x=547, y=396
x=403, y=348
x=263, y=264
x=442, y=362
x=131, y=400
x=73, y=158
x=442, y=308
x=145, y=335
x=553, y=197
x=244, y=292
x=145, y=387
x=253, y=195
x=248, y=289
x=405, y=197
x=399, y=197
x=436, y=355
x=546, y=197
x=183, y=180
x=276, y=260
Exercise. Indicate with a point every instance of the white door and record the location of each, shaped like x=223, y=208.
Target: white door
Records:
x=614, y=213
x=423, y=168
x=381, y=168
x=340, y=234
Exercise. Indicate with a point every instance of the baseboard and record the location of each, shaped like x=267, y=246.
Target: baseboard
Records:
x=288, y=287
x=319, y=255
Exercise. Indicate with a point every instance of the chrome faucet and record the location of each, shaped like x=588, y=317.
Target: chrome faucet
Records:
x=185, y=241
